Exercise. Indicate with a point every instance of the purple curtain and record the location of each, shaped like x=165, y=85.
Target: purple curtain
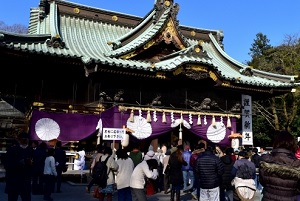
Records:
x=62, y=126
x=74, y=127
x=113, y=118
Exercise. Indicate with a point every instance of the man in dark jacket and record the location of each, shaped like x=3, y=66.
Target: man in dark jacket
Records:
x=226, y=188
x=255, y=158
x=60, y=160
x=18, y=167
x=209, y=169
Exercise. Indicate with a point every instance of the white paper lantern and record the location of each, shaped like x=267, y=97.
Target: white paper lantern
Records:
x=125, y=141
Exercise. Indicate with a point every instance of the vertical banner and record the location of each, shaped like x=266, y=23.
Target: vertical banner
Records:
x=247, y=120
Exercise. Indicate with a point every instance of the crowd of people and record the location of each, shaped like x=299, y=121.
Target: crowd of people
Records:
x=33, y=168
x=205, y=170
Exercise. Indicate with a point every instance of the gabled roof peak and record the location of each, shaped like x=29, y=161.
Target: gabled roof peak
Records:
x=162, y=5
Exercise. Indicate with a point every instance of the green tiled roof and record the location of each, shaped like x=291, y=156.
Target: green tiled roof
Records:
x=67, y=35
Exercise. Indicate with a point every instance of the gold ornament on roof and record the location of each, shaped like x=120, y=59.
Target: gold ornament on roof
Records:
x=200, y=42
x=167, y=3
x=193, y=33
x=76, y=10
x=114, y=18
x=197, y=49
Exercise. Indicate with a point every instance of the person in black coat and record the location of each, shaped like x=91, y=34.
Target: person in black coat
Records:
x=39, y=156
x=226, y=188
x=176, y=162
x=18, y=167
x=209, y=169
x=60, y=160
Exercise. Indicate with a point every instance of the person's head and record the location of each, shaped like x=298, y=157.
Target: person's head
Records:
x=34, y=143
x=135, y=146
x=229, y=151
x=168, y=152
x=187, y=148
x=210, y=146
x=122, y=154
x=255, y=150
x=243, y=154
x=58, y=144
x=201, y=145
x=262, y=149
x=152, y=164
x=99, y=148
x=174, y=144
x=50, y=152
x=23, y=139
x=149, y=155
x=43, y=145
x=285, y=140
x=107, y=150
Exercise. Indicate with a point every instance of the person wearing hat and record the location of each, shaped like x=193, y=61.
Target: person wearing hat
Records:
x=18, y=167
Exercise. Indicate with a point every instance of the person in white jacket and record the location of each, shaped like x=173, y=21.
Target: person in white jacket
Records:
x=147, y=168
x=49, y=174
x=79, y=161
x=123, y=175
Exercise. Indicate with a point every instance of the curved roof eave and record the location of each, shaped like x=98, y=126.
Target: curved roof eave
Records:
x=226, y=65
x=142, y=39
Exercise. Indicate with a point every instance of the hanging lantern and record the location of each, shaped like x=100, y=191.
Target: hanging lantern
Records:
x=148, y=117
x=213, y=121
x=180, y=132
x=131, y=119
x=181, y=119
x=164, y=119
x=125, y=141
x=199, y=120
x=228, y=122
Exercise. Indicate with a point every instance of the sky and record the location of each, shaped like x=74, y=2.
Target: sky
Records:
x=239, y=20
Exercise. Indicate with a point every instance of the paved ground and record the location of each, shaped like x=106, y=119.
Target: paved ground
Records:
x=76, y=192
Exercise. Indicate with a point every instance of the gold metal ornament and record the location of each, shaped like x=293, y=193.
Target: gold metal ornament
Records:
x=114, y=18
x=167, y=3
x=76, y=10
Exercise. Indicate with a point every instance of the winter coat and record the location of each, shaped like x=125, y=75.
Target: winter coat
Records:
x=280, y=175
x=176, y=177
x=255, y=158
x=18, y=167
x=227, y=177
x=195, y=154
x=209, y=170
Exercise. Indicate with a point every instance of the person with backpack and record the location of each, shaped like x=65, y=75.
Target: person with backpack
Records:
x=106, y=188
x=96, y=158
x=244, y=173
